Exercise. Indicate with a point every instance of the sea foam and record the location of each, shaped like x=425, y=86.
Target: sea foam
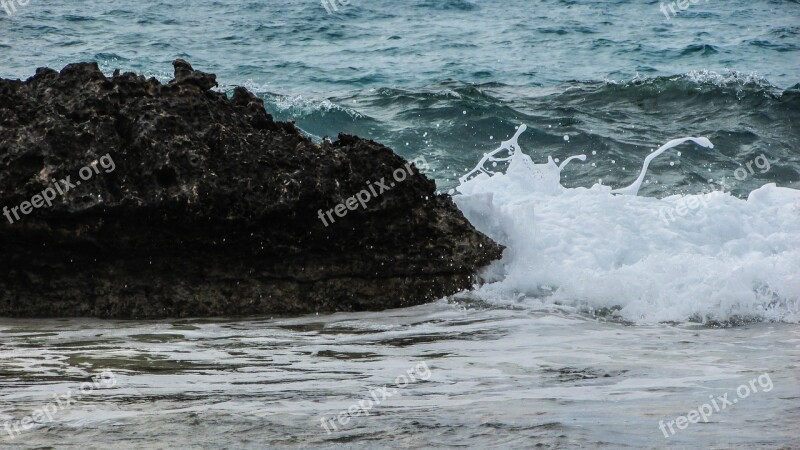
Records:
x=726, y=260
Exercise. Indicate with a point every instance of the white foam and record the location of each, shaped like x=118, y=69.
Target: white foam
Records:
x=721, y=258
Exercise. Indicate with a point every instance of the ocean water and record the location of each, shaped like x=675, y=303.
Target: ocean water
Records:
x=627, y=297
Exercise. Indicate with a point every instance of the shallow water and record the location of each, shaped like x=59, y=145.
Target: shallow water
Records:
x=498, y=378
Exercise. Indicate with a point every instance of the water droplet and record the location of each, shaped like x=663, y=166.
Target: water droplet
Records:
x=566, y=137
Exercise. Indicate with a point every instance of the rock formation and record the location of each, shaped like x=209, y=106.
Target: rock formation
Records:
x=183, y=202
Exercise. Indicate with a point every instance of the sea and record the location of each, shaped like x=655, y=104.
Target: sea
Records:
x=639, y=160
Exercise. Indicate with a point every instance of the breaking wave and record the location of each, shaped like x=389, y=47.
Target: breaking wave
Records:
x=711, y=258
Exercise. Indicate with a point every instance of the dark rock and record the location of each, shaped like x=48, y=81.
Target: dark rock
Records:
x=210, y=208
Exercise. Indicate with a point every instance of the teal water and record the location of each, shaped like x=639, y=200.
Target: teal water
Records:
x=448, y=78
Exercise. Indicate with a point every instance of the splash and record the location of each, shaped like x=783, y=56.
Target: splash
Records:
x=519, y=163
x=602, y=249
x=633, y=189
